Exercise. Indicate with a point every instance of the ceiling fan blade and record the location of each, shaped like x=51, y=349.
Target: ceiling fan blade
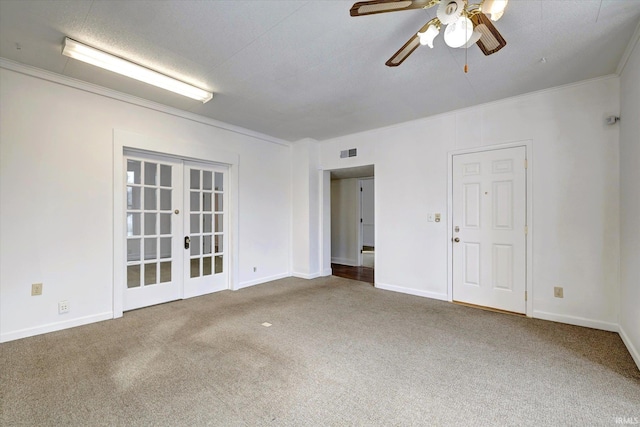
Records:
x=381, y=6
x=491, y=40
x=408, y=48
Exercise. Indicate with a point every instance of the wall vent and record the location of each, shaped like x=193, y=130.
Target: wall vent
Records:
x=352, y=152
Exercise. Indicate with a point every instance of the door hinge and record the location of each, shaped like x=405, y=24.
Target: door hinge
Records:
x=360, y=188
x=526, y=164
x=360, y=220
x=526, y=295
x=526, y=230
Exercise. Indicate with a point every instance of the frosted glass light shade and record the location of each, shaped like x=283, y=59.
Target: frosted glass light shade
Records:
x=427, y=37
x=473, y=39
x=458, y=33
x=90, y=55
x=495, y=8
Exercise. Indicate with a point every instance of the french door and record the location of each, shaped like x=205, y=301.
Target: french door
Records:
x=176, y=229
x=206, y=230
x=489, y=228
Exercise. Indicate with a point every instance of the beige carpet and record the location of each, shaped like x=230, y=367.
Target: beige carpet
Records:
x=339, y=352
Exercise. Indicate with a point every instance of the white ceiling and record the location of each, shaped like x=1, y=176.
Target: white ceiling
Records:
x=297, y=69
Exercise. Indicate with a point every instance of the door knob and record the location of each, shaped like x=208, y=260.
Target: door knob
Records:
x=457, y=239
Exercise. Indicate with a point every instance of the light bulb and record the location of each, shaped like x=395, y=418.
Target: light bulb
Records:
x=427, y=37
x=458, y=33
x=494, y=7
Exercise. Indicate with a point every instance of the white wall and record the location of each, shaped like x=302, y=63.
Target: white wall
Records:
x=575, y=224
x=306, y=210
x=344, y=221
x=56, y=199
x=630, y=204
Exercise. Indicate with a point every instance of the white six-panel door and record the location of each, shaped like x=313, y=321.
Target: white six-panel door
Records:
x=176, y=230
x=489, y=234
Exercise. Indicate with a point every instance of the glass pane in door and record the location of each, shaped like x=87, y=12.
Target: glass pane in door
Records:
x=148, y=217
x=205, y=222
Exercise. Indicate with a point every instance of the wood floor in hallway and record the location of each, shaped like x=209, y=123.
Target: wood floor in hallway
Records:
x=363, y=274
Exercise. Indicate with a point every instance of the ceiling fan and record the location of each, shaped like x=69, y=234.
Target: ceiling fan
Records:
x=465, y=24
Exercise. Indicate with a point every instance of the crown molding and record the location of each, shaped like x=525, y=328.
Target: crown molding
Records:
x=130, y=99
x=629, y=50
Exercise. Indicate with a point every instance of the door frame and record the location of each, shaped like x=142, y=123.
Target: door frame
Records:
x=179, y=149
x=324, y=220
x=528, y=145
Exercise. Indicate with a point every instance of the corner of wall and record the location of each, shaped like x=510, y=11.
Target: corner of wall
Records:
x=629, y=138
x=635, y=352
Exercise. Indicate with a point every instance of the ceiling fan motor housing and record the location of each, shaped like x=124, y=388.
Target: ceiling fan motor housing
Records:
x=449, y=11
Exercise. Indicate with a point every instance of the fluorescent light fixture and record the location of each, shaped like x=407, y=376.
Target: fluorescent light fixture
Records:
x=90, y=55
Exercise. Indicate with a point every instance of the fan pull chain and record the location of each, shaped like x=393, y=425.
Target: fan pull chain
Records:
x=466, y=49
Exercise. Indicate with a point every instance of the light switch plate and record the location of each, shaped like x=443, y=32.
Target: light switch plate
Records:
x=431, y=217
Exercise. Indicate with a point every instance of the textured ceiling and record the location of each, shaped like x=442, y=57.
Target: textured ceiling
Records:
x=297, y=69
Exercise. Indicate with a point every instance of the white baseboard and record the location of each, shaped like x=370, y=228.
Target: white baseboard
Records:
x=632, y=349
x=410, y=291
x=578, y=321
x=345, y=261
x=56, y=326
x=305, y=275
x=254, y=282
x=327, y=272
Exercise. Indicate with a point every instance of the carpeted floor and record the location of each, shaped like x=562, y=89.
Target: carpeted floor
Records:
x=339, y=352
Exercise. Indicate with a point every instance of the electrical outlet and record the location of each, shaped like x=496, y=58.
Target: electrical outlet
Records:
x=63, y=307
x=558, y=292
x=36, y=289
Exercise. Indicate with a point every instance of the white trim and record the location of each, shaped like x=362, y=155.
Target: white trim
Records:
x=528, y=144
x=261, y=280
x=56, y=326
x=628, y=51
x=411, y=291
x=577, y=321
x=327, y=272
x=130, y=99
x=345, y=261
x=186, y=150
x=627, y=341
x=305, y=275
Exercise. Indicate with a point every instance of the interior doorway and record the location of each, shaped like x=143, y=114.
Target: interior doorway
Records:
x=352, y=219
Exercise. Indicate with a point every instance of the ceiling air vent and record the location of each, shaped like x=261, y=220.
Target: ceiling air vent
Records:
x=352, y=152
